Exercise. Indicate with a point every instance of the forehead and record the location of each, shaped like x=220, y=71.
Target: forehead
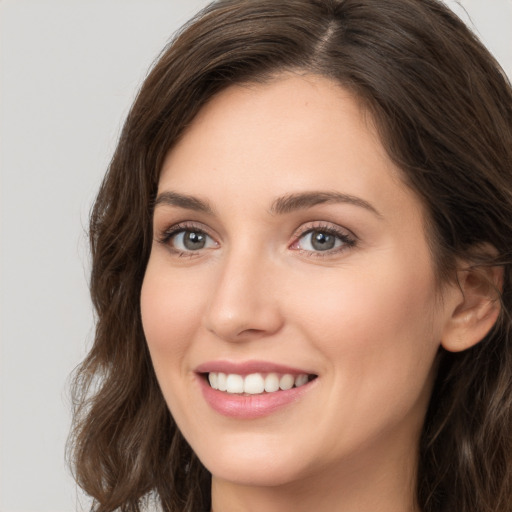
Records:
x=292, y=134
x=263, y=120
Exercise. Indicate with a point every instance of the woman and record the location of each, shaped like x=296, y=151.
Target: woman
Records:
x=301, y=269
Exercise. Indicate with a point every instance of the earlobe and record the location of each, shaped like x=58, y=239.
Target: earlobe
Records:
x=477, y=310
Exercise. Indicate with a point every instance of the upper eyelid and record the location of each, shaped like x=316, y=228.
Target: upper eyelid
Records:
x=326, y=226
x=303, y=229
x=187, y=225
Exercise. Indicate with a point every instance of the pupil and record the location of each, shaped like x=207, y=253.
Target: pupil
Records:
x=322, y=241
x=194, y=240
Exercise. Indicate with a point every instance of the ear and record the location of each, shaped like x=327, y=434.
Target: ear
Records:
x=477, y=310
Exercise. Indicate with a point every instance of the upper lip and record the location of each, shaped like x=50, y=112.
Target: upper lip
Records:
x=248, y=367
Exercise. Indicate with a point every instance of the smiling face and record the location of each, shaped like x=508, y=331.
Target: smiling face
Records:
x=286, y=247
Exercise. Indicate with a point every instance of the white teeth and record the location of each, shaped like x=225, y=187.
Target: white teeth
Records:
x=286, y=382
x=271, y=382
x=221, y=381
x=234, y=383
x=300, y=380
x=255, y=383
x=213, y=380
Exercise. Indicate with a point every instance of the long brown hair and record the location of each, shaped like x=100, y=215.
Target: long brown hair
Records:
x=443, y=108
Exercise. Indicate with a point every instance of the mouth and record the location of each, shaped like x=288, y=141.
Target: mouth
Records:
x=256, y=383
x=253, y=389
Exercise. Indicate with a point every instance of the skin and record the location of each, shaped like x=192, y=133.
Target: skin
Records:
x=367, y=317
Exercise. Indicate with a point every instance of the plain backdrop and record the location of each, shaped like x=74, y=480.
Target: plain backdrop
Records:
x=69, y=70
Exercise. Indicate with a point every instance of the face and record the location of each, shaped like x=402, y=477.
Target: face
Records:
x=290, y=267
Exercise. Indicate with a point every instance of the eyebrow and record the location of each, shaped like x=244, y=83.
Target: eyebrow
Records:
x=304, y=200
x=183, y=201
x=280, y=206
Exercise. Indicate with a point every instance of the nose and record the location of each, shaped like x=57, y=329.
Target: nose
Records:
x=244, y=303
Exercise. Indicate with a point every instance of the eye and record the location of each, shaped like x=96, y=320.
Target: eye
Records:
x=189, y=240
x=183, y=239
x=319, y=241
x=324, y=240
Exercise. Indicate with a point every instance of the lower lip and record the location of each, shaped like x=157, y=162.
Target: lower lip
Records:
x=251, y=406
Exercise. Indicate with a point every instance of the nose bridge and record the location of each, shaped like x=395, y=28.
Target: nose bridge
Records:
x=243, y=304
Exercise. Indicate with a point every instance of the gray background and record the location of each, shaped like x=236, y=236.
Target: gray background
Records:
x=68, y=72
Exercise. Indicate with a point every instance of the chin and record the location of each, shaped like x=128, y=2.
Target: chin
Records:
x=245, y=473
x=256, y=465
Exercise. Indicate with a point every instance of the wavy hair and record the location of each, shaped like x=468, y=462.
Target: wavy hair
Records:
x=443, y=108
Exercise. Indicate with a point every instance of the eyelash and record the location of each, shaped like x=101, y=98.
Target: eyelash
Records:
x=348, y=239
x=169, y=233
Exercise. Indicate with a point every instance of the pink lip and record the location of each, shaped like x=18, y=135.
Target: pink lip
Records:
x=249, y=406
x=248, y=367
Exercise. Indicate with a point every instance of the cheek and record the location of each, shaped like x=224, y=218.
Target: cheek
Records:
x=368, y=301
x=170, y=308
x=375, y=331
x=376, y=322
